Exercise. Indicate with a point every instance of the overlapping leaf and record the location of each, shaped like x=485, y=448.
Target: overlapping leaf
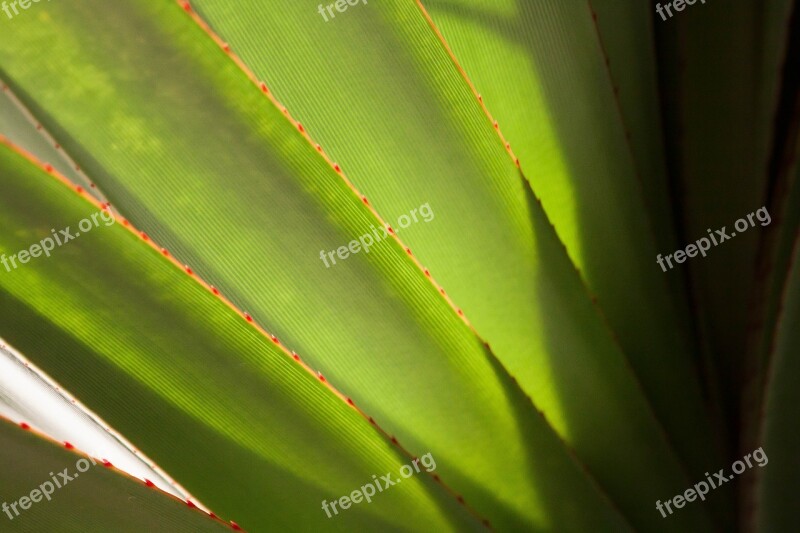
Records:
x=541, y=70
x=18, y=124
x=723, y=178
x=775, y=507
x=626, y=36
x=89, y=498
x=188, y=380
x=30, y=397
x=246, y=195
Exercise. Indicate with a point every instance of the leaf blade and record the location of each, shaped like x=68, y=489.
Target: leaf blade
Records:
x=101, y=500
x=149, y=348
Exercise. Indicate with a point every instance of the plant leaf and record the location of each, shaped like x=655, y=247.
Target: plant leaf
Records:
x=95, y=499
x=29, y=396
x=18, y=124
x=782, y=198
x=228, y=238
x=718, y=148
x=626, y=37
x=246, y=428
x=540, y=68
x=775, y=507
x=774, y=25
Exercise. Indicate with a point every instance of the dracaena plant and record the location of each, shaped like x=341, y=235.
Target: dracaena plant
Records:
x=398, y=265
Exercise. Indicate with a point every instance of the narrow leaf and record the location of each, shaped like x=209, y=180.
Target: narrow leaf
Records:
x=69, y=492
x=250, y=431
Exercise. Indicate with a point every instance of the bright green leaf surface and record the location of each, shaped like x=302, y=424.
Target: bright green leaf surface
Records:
x=541, y=70
x=532, y=292
x=95, y=500
x=200, y=391
x=626, y=35
x=247, y=195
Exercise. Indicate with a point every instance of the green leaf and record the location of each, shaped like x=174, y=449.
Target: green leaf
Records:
x=248, y=194
x=29, y=396
x=513, y=303
x=541, y=70
x=783, y=194
x=90, y=498
x=626, y=36
x=774, y=268
x=774, y=23
x=244, y=427
x=721, y=175
x=780, y=259
x=18, y=124
x=777, y=484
